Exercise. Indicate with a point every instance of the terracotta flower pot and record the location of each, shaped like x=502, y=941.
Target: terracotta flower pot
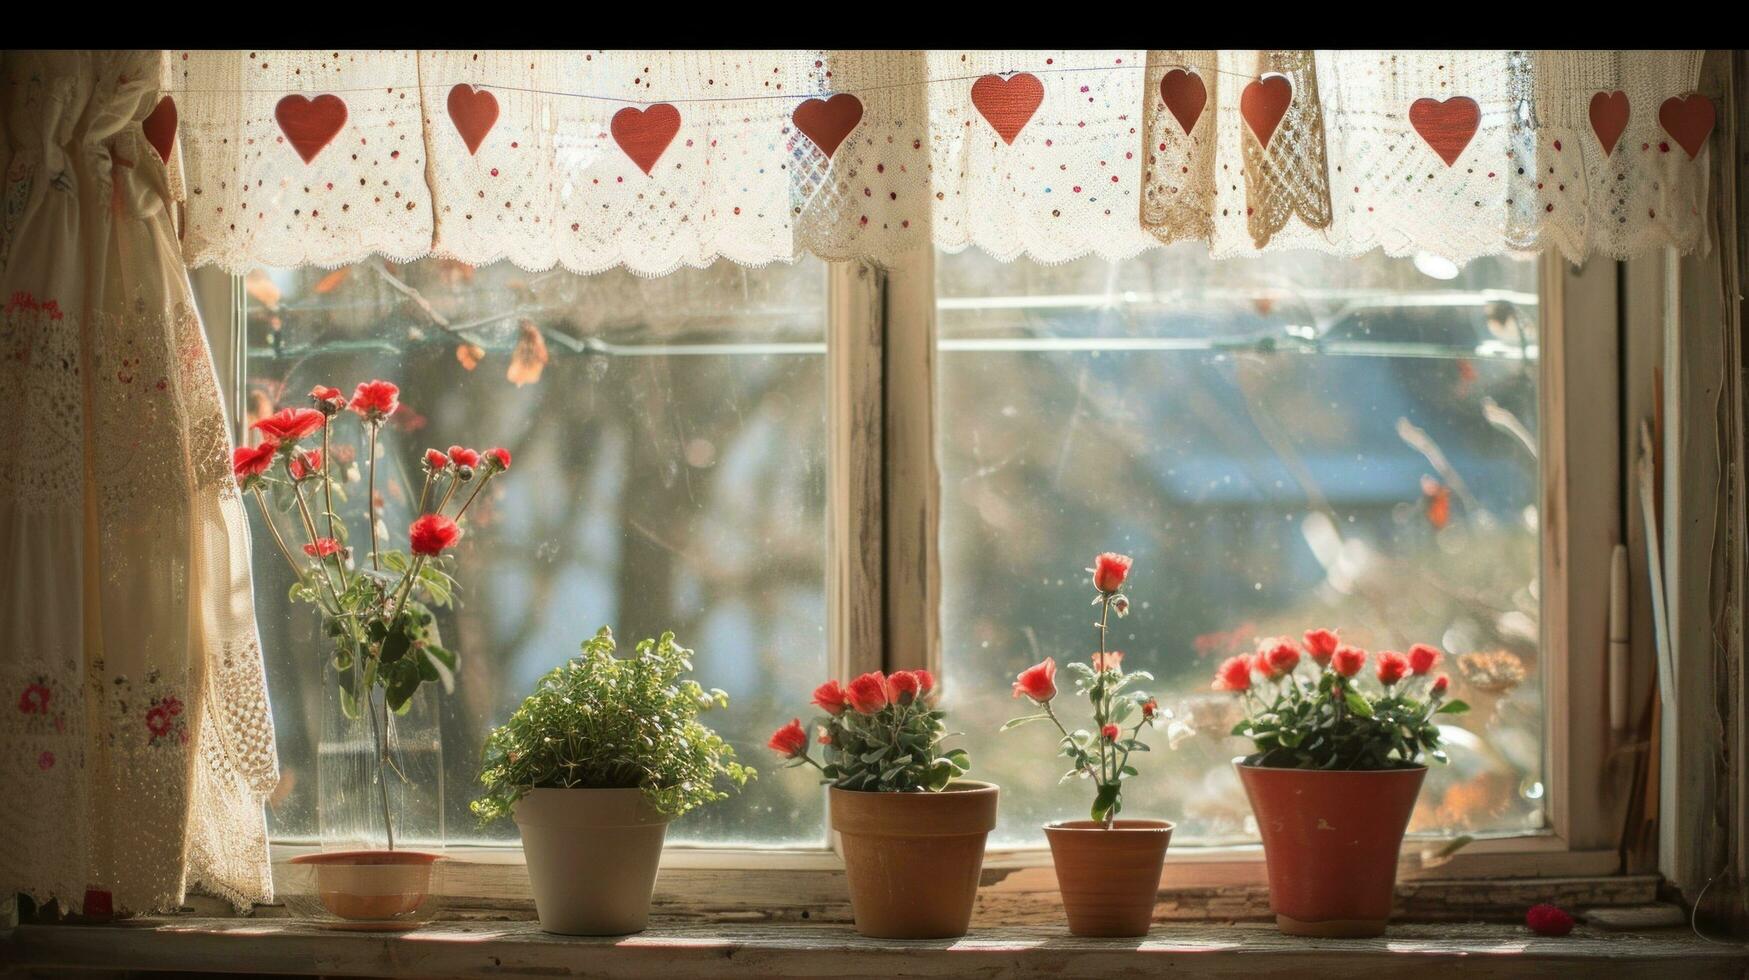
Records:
x=912, y=859
x=1109, y=877
x=1331, y=840
x=371, y=886
x=592, y=856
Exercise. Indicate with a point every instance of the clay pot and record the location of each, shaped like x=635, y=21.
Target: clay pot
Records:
x=1109, y=877
x=371, y=886
x=1331, y=841
x=913, y=859
x=592, y=856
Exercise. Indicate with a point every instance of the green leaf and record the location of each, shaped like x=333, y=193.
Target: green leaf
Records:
x=1358, y=704
x=1453, y=707
x=1025, y=719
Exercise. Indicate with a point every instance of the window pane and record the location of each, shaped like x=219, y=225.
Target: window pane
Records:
x=1292, y=441
x=669, y=444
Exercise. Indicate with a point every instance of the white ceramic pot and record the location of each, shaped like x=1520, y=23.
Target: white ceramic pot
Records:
x=592, y=856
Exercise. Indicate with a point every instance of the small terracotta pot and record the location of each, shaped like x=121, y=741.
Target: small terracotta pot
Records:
x=592, y=857
x=368, y=886
x=913, y=859
x=1109, y=877
x=1331, y=841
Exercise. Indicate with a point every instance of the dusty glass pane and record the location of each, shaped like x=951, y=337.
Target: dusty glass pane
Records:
x=670, y=473
x=1284, y=442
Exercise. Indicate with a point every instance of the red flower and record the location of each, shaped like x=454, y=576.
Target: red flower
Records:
x=321, y=547
x=429, y=534
x=34, y=699
x=435, y=460
x=1278, y=657
x=1150, y=708
x=306, y=464
x=830, y=698
x=1110, y=732
x=1108, y=660
x=291, y=424
x=1321, y=643
x=789, y=741
x=1234, y=674
x=497, y=459
x=868, y=693
x=1038, y=682
x=1440, y=683
x=1109, y=571
x=463, y=456
x=1548, y=920
x=375, y=400
x=1392, y=667
x=926, y=679
x=1348, y=660
x=248, y=461
x=903, y=687
x=1422, y=658
x=328, y=401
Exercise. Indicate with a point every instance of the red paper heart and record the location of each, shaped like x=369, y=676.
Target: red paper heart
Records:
x=1185, y=95
x=1447, y=126
x=1263, y=103
x=474, y=112
x=160, y=127
x=828, y=121
x=1008, y=102
x=310, y=124
x=644, y=133
x=1609, y=118
x=1689, y=119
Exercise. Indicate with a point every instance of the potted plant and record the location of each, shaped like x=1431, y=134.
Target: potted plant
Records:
x=912, y=831
x=593, y=766
x=1108, y=870
x=1336, y=773
x=376, y=614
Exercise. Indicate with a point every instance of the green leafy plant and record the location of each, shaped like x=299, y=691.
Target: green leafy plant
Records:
x=881, y=733
x=1326, y=721
x=604, y=722
x=1103, y=753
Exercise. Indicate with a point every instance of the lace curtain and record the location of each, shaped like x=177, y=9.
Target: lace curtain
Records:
x=656, y=160
x=138, y=747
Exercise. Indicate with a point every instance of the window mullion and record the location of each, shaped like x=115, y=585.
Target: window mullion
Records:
x=912, y=480
x=856, y=592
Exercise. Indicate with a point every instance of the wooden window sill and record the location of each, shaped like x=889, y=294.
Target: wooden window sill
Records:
x=689, y=948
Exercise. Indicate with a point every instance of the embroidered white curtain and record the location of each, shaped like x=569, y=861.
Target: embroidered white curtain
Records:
x=656, y=160
x=138, y=747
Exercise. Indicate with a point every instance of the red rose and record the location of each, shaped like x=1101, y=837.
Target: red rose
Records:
x=1348, y=660
x=1108, y=660
x=1150, y=708
x=926, y=679
x=435, y=460
x=1440, y=683
x=291, y=424
x=306, y=464
x=463, y=456
x=498, y=459
x=868, y=693
x=321, y=547
x=1110, y=732
x=375, y=400
x=1278, y=657
x=1234, y=674
x=429, y=534
x=903, y=687
x=830, y=698
x=1321, y=643
x=1109, y=571
x=1038, y=682
x=789, y=741
x=328, y=401
x=250, y=461
x=1392, y=667
x=1548, y=920
x=1422, y=658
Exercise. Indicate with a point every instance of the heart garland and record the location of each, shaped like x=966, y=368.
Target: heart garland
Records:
x=644, y=134
x=1447, y=126
x=1184, y=95
x=1263, y=103
x=1609, y=118
x=474, y=112
x=1008, y=103
x=310, y=124
x=1689, y=120
x=160, y=127
x=828, y=121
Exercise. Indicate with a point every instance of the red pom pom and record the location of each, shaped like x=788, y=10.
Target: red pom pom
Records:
x=1548, y=920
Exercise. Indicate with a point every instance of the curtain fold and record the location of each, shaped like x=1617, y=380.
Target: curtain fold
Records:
x=656, y=160
x=138, y=743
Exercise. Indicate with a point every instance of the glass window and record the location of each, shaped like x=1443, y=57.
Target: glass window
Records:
x=1284, y=442
x=670, y=473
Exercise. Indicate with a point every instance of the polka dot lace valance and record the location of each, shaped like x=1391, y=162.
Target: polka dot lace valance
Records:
x=654, y=160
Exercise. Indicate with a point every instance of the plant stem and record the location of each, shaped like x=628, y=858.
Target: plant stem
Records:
x=267, y=516
x=380, y=729
x=469, y=502
x=310, y=529
x=328, y=500
x=371, y=495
